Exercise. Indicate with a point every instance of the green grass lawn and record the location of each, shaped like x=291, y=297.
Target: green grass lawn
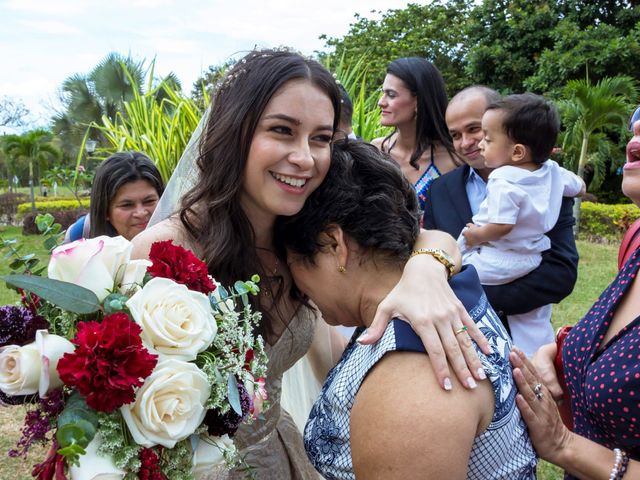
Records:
x=596, y=270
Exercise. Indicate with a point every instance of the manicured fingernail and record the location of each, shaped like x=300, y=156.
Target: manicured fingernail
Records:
x=447, y=384
x=471, y=382
x=363, y=337
x=481, y=374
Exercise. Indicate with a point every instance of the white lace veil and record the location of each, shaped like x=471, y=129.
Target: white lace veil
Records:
x=183, y=178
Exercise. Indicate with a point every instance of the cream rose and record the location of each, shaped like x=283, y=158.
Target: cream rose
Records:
x=176, y=322
x=32, y=368
x=94, y=466
x=97, y=264
x=208, y=454
x=169, y=406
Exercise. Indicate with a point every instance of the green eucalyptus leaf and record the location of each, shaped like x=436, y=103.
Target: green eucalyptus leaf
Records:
x=26, y=258
x=72, y=453
x=50, y=243
x=234, y=394
x=240, y=288
x=67, y=296
x=115, y=302
x=71, y=434
x=16, y=264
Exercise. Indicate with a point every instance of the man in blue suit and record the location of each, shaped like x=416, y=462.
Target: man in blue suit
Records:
x=455, y=197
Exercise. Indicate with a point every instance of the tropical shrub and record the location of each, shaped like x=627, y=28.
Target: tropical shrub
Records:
x=600, y=221
x=353, y=74
x=158, y=123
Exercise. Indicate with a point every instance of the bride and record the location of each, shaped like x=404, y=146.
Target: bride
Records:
x=265, y=147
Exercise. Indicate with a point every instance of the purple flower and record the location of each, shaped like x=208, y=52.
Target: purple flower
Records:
x=18, y=325
x=38, y=422
x=219, y=424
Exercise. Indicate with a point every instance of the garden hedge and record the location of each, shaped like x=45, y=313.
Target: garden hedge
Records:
x=601, y=221
x=65, y=218
x=49, y=206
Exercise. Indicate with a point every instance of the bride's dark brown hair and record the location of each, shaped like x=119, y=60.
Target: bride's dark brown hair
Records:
x=211, y=211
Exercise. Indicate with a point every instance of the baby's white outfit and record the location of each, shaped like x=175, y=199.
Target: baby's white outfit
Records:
x=530, y=201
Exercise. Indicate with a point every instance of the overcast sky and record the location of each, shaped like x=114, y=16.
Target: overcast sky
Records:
x=44, y=41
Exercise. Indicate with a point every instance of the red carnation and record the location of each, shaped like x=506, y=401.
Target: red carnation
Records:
x=180, y=265
x=149, y=465
x=108, y=363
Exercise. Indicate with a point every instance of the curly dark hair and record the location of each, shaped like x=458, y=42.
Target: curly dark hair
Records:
x=211, y=211
x=366, y=194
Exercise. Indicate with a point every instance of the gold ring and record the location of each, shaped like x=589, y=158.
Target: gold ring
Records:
x=461, y=329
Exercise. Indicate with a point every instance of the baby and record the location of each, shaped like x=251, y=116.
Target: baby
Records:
x=524, y=194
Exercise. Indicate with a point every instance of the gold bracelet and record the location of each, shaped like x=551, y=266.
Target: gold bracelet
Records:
x=440, y=255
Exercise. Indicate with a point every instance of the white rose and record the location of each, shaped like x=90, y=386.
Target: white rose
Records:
x=169, y=406
x=97, y=264
x=133, y=275
x=32, y=368
x=208, y=453
x=94, y=466
x=176, y=322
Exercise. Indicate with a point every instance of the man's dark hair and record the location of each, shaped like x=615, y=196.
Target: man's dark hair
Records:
x=531, y=120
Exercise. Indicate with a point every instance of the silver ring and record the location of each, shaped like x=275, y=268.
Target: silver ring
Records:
x=537, y=389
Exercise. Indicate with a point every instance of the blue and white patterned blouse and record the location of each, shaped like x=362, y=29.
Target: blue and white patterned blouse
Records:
x=502, y=451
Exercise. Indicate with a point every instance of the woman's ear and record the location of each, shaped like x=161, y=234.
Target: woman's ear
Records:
x=336, y=244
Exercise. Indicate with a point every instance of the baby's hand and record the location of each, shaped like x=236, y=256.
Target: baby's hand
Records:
x=470, y=236
x=583, y=190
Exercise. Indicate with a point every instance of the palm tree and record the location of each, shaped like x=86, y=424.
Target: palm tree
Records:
x=589, y=113
x=103, y=92
x=33, y=145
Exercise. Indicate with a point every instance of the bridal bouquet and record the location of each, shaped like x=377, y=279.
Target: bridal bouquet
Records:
x=134, y=368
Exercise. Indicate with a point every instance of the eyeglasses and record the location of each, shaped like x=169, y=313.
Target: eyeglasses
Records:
x=634, y=118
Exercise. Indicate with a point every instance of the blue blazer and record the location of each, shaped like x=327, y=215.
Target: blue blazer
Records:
x=447, y=208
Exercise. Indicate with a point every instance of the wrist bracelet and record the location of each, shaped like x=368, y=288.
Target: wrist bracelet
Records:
x=440, y=255
x=620, y=464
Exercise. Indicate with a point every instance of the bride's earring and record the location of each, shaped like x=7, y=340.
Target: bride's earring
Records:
x=341, y=269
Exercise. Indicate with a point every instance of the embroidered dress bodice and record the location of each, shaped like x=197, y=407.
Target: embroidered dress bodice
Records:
x=502, y=451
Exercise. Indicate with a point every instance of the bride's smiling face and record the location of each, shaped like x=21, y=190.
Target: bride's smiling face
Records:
x=290, y=151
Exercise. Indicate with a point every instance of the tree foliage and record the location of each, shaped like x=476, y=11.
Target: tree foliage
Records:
x=510, y=45
x=589, y=112
x=33, y=147
x=103, y=93
x=434, y=31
